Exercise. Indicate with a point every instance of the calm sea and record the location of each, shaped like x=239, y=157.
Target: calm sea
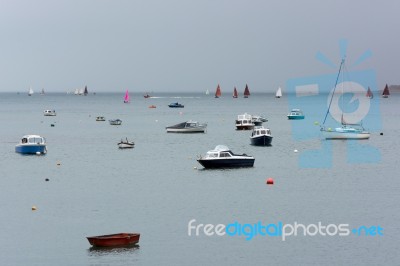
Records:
x=158, y=187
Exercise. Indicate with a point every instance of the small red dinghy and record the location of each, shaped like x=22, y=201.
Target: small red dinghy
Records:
x=121, y=239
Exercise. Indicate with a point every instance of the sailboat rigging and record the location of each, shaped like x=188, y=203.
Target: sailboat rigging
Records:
x=345, y=131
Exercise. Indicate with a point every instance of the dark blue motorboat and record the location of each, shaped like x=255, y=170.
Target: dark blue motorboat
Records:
x=223, y=157
x=176, y=105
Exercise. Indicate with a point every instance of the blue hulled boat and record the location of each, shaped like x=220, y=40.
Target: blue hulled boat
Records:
x=295, y=114
x=31, y=144
x=176, y=105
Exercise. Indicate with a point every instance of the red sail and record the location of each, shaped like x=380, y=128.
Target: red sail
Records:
x=386, y=91
x=369, y=93
x=246, y=92
x=218, y=92
x=235, y=93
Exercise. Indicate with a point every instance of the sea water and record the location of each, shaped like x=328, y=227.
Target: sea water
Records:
x=158, y=187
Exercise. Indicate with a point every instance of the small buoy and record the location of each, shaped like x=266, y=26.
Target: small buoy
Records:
x=58, y=163
x=381, y=134
x=52, y=125
x=270, y=181
x=34, y=208
x=316, y=123
x=46, y=179
x=38, y=153
x=329, y=129
x=295, y=150
x=194, y=167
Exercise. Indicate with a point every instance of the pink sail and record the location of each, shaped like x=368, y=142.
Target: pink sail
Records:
x=126, y=98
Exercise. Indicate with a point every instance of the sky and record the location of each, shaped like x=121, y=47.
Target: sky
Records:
x=189, y=45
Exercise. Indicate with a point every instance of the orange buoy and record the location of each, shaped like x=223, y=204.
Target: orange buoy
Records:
x=270, y=181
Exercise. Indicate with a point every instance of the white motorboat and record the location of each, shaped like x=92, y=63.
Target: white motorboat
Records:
x=188, y=127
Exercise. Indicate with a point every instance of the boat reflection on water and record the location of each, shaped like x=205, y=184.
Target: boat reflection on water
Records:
x=105, y=251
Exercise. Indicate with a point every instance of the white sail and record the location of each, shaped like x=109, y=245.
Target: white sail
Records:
x=30, y=91
x=207, y=92
x=76, y=91
x=278, y=93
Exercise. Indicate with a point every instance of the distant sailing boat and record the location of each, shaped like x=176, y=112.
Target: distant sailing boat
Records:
x=126, y=98
x=346, y=131
x=369, y=94
x=246, y=93
x=85, y=92
x=207, y=92
x=235, y=93
x=42, y=93
x=218, y=92
x=278, y=93
x=30, y=92
x=386, y=92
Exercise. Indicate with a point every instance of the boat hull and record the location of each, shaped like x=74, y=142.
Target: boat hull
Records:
x=345, y=135
x=295, y=117
x=261, y=140
x=186, y=130
x=124, y=145
x=114, y=240
x=244, y=127
x=31, y=149
x=227, y=163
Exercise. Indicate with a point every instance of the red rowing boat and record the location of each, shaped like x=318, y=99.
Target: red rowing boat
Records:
x=121, y=239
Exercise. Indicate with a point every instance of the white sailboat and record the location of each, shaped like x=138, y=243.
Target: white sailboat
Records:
x=207, y=92
x=30, y=92
x=278, y=93
x=345, y=131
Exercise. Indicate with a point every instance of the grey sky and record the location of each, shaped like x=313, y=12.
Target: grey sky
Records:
x=183, y=45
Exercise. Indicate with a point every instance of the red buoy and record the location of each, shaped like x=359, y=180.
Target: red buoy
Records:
x=270, y=181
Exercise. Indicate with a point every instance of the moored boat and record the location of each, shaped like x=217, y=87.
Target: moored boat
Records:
x=114, y=240
x=223, y=157
x=100, y=118
x=49, y=113
x=126, y=144
x=295, y=114
x=176, y=105
x=115, y=122
x=346, y=130
x=261, y=136
x=31, y=144
x=188, y=127
x=244, y=122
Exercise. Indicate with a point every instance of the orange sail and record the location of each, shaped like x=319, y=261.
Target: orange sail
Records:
x=235, y=93
x=246, y=92
x=218, y=92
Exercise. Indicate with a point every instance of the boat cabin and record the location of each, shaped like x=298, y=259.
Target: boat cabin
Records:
x=261, y=131
x=32, y=139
